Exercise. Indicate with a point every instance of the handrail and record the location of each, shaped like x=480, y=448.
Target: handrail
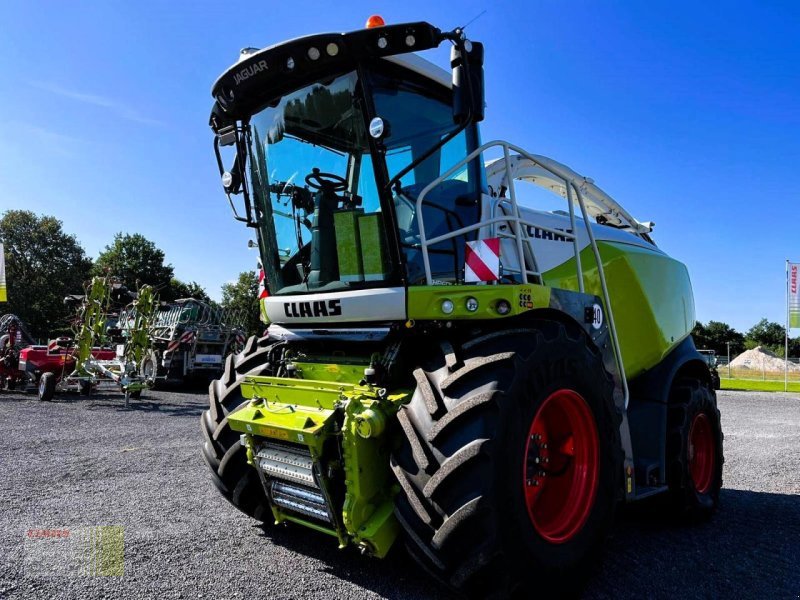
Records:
x=515, y=219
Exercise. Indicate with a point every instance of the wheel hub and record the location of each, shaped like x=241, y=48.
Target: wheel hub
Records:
x=701, y=453
x=561, y=466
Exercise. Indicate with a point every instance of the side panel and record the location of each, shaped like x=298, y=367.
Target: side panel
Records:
x=651, y=297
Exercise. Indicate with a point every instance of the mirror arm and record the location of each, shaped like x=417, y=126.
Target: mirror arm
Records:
x=242, y=161
x=247, y=219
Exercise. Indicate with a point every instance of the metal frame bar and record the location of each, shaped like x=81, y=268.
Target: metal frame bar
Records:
x=518, y=223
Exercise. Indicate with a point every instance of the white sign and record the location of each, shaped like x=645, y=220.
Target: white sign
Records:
x=597, y=316
x=208, y=358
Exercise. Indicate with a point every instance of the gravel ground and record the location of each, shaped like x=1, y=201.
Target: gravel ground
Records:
x=81, y=462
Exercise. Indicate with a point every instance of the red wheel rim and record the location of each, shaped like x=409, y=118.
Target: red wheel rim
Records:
x=561, y=466
x=701, y=453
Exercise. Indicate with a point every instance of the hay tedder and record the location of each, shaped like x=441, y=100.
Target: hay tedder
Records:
x=446, y=364
x=191, y=339
x=107, y=350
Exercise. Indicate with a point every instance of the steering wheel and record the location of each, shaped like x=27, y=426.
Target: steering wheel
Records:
x=325, y=181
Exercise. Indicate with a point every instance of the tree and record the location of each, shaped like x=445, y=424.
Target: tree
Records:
x=768, y=334
x=136, y=261
x=43, y=265
x=716, y=335
x=243, y=295
x=181, y=289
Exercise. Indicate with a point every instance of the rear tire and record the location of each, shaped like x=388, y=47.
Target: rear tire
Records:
x=47, y=387
x=694, y=450
x=238, y=482
x=466, y=464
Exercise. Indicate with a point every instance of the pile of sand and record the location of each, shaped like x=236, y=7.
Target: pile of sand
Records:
x=761, y=359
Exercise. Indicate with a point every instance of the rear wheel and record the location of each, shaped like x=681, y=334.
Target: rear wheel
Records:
x=226, y=457
x=694, y=449
x=47, y=387
x=511, y=464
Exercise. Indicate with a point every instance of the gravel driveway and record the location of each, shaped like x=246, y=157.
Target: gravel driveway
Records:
x=78, y=463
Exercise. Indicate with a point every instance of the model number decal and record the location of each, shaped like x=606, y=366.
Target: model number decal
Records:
x=317, y=308
x=271, y=432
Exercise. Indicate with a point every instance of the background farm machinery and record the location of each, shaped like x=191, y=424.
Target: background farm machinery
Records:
x=191, y=339
x=108, y=347
x=13, y=338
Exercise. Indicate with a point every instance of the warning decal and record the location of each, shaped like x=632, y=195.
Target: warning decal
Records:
x=482, y=260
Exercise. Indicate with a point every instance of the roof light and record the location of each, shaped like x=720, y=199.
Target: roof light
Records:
x=313, y=53
x=290, y=63
x=410, y=40
x=375, y=21
x=332, y=49
x=382, y=43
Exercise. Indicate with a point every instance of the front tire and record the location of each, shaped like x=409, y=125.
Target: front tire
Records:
x=226, y=457
x=476, y=433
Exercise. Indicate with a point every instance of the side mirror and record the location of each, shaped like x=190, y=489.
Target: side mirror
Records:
x=468, y=88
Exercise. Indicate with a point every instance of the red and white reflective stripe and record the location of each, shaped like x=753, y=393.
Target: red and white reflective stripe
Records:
x=482, y=260
x=262, y=285
x=186, y=338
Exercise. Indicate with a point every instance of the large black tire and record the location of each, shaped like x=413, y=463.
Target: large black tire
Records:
x=461, y=464
x=226, y=457
x=693, y=403
x=47, y=387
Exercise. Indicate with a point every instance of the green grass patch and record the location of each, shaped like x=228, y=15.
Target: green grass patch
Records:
x=757, y=385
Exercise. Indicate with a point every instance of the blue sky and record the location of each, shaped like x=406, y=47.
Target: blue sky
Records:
x=687, y=113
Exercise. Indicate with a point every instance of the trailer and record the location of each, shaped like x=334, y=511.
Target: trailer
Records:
x=191, y=340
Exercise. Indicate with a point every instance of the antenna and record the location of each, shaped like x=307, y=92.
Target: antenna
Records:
x=475, y=18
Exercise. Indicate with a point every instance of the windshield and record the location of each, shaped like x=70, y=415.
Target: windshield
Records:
x=312, y=175
x=323, y=227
